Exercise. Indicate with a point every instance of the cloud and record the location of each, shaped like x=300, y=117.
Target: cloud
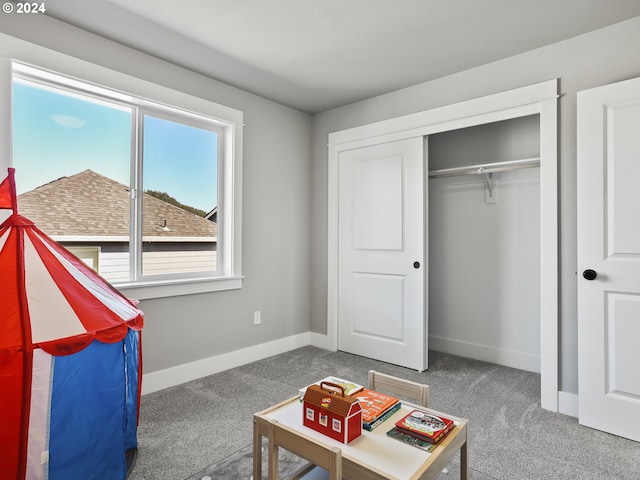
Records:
x=68, y=121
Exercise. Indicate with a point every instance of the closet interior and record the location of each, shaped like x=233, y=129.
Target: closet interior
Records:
x=484, y=242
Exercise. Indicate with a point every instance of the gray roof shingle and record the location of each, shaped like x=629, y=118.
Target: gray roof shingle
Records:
x=90, y=204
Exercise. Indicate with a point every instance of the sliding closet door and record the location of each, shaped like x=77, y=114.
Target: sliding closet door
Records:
x=381, y=244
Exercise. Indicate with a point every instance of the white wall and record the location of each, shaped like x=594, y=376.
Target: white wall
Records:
x=484, y=256
x=514, y=139
x=276, y=210
x=590, y=60
x=484, y=268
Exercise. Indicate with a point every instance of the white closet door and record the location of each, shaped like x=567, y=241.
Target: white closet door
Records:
x=381, y=243
x=609, y=258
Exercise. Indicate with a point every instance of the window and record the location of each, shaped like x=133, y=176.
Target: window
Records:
x=146, y=185
x=180, y=184
x=89, y=255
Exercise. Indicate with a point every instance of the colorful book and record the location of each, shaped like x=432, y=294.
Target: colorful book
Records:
x=349, y=387
x=370, y=426
x=410, y=439
x=425, y=426
x=374, y=404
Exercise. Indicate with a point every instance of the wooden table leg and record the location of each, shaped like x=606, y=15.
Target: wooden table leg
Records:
x=257, y=452
x=464, y=462
x=274, y=461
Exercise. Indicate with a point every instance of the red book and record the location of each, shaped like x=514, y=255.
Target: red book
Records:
x=425, y=426
x=374, y=404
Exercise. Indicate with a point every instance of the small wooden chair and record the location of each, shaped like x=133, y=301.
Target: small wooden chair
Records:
x=329, y=462
x=400, y=387
x=418, y=392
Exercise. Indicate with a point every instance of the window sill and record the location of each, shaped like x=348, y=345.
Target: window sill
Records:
x=173, y=288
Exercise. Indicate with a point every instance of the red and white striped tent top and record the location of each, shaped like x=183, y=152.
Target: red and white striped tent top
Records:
x=49, y=300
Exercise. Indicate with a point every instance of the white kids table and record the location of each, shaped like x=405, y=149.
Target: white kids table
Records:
x=371, y=456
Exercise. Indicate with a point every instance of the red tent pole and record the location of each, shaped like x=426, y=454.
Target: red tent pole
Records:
x=8, y=199
x=27, y=344
x=27, y=360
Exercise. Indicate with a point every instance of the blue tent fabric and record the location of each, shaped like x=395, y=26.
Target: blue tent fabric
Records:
x=90, y=412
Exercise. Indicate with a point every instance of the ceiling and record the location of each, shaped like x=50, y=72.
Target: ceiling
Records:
x=314, y=55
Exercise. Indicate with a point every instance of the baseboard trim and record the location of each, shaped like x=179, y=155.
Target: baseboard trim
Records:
x=155, y=381
x=499, y=356
x=568, y=404
x=319, y=340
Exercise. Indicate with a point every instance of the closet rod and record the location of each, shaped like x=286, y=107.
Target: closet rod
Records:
x=486, y=168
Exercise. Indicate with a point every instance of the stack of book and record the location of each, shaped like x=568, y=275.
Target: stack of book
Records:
x=422, y=429
x=376, y=407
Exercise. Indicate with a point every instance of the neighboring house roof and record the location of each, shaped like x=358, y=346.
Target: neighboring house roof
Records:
x=90, y=204
x=212, y=215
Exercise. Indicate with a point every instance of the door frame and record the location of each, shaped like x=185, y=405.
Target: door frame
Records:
x=540, y=98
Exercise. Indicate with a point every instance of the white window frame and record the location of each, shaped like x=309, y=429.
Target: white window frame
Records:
x=17, y=52
x=87, y=254
x=137, y=213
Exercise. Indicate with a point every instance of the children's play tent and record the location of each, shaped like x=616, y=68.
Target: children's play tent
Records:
x=70, y=361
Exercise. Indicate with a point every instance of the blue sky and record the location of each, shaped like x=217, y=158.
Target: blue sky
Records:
x=56, y=135
x=178, y=161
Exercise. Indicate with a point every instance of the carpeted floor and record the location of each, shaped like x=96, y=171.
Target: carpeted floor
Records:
x=204, y=428
x=239, y=466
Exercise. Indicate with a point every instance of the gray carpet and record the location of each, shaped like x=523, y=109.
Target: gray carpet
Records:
x=239, y=465
x=204, y=428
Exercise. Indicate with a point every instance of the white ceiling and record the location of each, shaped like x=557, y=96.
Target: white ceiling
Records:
x=314, y=55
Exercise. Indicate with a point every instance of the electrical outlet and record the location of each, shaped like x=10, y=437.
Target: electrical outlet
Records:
x=256, y=318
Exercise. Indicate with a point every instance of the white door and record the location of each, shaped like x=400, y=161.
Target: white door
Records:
x=381, y=245
x=609, y=258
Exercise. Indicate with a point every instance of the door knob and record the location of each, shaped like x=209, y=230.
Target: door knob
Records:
x=589, y=274
x=416, y=264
